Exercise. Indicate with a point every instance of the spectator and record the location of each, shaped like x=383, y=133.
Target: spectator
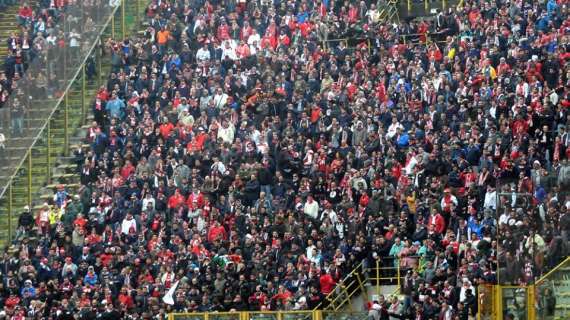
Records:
x=25, y=14
x=237, y=160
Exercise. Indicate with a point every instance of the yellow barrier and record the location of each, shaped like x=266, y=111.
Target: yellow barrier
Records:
x=494, y=301
x=344, y=291
x=386, y=274
x=29, y=167
x=272, y=315
x=248, y=315
x=552, y=293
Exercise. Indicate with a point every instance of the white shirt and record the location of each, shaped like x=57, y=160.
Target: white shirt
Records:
x=504, y=218
x=393, y=129
x=203, y=54
x=219, y=166
x=229, y=52
x=227, y=134
x=220, y=100
x=127, y=224
x=309, y=252
x=490, y=200
x=331, y=215
x=250, y=41
x=311, y=209
x=146, y=202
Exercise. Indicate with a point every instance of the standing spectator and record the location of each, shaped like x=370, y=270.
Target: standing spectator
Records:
x=18, y=111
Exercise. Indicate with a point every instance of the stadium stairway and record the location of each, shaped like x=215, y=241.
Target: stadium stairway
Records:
x=8, y=24
x=63, y=168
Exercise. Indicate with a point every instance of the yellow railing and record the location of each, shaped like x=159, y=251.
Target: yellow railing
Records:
x=552, y=293
x=358, y=280
x=271, y=315
x=28, y=166
x=386, y=274
x=344, y=290
x=548, y=298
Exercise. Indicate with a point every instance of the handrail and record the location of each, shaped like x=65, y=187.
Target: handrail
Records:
x=549, y=273
x=247, y=315
x=333, y=297
x=59, y=101
x=339, y=285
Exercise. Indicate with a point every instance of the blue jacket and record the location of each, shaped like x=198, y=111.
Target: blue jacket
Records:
x=115, y=108
x=91, y=280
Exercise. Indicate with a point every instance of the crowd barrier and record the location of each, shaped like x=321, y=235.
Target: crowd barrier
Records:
x=54, y=91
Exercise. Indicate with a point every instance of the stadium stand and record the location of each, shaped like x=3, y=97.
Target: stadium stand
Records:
x=251, y=155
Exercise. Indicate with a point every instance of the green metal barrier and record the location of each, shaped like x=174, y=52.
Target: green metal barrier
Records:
x=54, y=111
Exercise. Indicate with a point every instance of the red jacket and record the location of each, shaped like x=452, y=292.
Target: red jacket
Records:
x=216, y=232
x=25, y=12
x=195, y=201
x=438, y=222
x=327, y=283
x=175, y=200
x=223, y=32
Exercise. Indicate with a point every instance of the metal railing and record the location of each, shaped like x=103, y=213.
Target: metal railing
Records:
x=348, y=287
x=383, y=272
x=249, y=315
x=271, y=315
x=552, y=293
x=548, y=298
x=52, y=97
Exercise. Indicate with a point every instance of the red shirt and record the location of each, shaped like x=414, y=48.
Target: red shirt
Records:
x=438, y=222
x=25, y=12
x=175, y=200
x=327, y=283
x=127, y=170
x=165, y=129
x=195, y=201
x=126, y=300
x=216, y=233
x=223, y=32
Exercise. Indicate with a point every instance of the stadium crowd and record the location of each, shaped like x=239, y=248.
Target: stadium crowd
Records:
x=243, y=158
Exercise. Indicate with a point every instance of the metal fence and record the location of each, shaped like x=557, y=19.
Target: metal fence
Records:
x=552, y=293
x=49, y=102
x=271, y=315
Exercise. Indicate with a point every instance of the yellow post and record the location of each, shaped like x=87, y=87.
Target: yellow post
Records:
x=378, y=277
x=279, y=316
x=30, y=177
x=66, y=125
x=170, y=316
x=362, y=288
x=409, y=6
x=426, y=5
x=398, y=274
x=83, y=92
x=443, y=5
x=498, y=301
x=10, y=202
x=350, y=308
x=530, y=302
x=48, y=150
x=123, y=27
x=479, y=302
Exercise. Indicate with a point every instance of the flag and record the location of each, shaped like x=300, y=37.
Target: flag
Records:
x=168, y=297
